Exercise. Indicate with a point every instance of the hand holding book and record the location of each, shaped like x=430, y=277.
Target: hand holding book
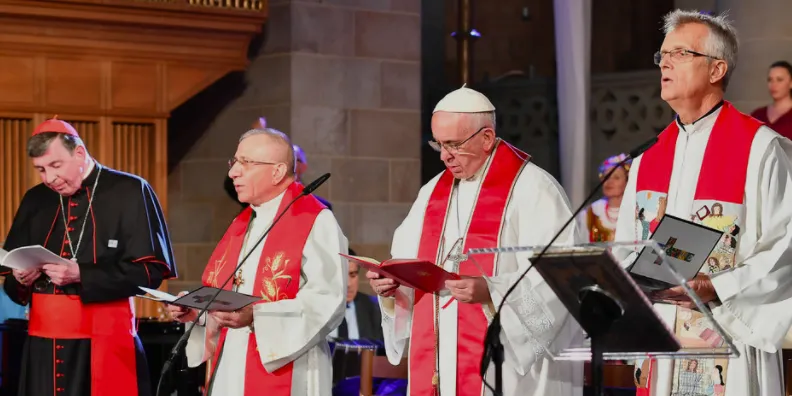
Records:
x=701, y=285
x=418, y=274
x=470, y=290
x=381, y=285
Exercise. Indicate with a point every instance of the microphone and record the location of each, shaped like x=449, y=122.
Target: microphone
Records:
x=315, y=184
x=183, y=339
x=493, y=348
x=636, y=151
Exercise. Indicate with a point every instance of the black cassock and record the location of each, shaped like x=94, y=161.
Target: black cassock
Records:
x=82, y=335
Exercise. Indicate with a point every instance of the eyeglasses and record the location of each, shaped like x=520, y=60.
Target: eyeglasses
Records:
x=452, y=147
x=245, y=162
x=680, y=55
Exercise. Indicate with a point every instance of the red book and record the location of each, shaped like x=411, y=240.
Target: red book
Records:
x=418, y=274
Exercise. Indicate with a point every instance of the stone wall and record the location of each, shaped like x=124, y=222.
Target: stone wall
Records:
x=342, y=78
x=765, y=36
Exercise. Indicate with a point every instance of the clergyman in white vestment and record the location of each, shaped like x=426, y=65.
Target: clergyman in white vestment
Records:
x=276, y=346
x=528, y=211
x=721, y=168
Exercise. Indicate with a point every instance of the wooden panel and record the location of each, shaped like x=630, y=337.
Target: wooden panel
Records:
x=132, y=148
x=99, y=60
x=133, y=152
x=17, y=79
x=91, y=136
x=73, y=83
x=183, y=82
x=15, y=166
x=134, y=86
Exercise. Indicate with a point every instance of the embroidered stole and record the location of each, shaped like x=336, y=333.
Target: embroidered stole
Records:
x=277, y=278
x=718, y=203
x=484, y=231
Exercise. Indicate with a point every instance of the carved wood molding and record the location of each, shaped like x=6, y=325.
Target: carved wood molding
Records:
x=117, y=57
x=129, y=28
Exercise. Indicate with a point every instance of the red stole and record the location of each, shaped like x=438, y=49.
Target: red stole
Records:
x=723, y=170
x=278, y=278
x=484, y=231
x=718, y=203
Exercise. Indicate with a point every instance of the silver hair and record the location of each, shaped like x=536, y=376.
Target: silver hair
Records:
x=722, y=41
x=479, y=120
x=279, y=137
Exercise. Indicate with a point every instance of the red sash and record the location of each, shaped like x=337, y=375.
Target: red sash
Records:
x=725, y=165
x=484, y=231
x=278, y=278
x=109, y=325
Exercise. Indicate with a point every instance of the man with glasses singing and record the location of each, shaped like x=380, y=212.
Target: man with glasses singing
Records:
x=490, y=195
x=276, y=346
x=110, y=229
x=725, y=170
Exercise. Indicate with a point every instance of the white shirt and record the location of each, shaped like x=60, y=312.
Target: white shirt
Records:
x=353, y=333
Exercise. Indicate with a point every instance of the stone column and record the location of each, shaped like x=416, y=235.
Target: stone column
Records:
x=342, y=78
x=765, y=36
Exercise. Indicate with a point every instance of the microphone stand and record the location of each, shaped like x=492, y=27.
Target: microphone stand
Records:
x=493, y=347
x=183, y=339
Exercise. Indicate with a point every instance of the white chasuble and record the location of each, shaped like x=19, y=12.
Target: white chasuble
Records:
x=727, y=172
x=534, y=318
x=288, y=333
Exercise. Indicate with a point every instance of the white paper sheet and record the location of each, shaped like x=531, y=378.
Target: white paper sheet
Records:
x=29, y=258
x=158, y=295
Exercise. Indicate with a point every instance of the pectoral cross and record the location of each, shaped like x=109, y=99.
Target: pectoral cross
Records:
x=456, y=256
x=238, y=280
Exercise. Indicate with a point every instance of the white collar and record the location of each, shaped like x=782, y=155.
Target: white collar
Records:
x=269, y=206
x=702, y=124
x=90, y=169
x=480, y=172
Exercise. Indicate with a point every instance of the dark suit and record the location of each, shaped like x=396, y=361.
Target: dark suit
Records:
x=369, y=318
x=369, y=323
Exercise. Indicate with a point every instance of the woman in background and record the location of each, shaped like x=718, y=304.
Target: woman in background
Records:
x=599, y=221
x=778, y=115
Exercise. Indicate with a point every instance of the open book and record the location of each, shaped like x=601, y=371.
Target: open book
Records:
x=687, y=246
x=226, y=301
x=418, y=274
x=29, y=258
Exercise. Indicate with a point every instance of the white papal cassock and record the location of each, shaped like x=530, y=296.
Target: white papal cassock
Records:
x=533, y=318
x=289, y=330
x=755, y=286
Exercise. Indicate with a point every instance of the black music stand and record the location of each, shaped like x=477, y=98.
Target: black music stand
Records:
x=610, y=307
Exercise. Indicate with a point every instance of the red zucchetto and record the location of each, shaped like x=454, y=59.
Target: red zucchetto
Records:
x=56, y=125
